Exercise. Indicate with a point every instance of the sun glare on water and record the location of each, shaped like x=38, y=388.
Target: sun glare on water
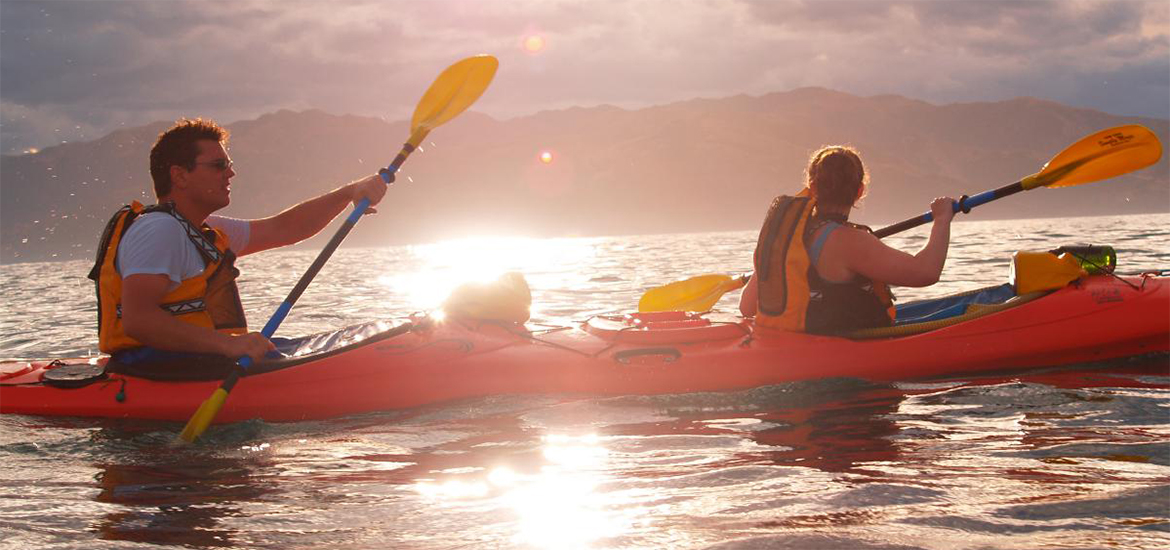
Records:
x=559, y=505
x=443, y=266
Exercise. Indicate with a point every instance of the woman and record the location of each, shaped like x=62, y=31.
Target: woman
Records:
x=834, y=278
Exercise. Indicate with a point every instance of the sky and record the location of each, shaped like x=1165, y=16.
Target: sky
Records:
x=75, y=70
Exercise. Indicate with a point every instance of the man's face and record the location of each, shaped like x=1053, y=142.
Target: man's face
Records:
x=208, y=182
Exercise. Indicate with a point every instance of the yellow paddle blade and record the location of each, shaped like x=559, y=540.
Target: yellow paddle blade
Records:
x=697, y=293
x=454, y=91
x=1105, y=154
x=203, y=417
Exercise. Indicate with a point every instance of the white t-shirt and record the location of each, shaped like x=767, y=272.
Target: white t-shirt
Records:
x=157, y=244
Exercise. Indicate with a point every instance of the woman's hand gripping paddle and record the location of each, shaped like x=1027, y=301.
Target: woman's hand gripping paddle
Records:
x=453, y=91
x=1103, y=155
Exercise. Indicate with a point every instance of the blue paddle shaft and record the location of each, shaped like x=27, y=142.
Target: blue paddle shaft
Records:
x=964, y=204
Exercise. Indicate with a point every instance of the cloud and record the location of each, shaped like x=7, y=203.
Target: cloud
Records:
x=98, y=64
x=983, y=50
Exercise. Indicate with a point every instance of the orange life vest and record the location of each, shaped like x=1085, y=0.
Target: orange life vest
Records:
x=782, y=269
x=785, y=275
x=210, y=299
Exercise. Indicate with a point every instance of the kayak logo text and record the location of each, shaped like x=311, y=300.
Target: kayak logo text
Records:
x=1106, y=295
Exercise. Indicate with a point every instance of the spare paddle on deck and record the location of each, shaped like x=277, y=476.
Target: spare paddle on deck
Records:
x=1103, y=155
x=452, y=92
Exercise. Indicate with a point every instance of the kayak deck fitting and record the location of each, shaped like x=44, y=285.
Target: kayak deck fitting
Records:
x=424, y=360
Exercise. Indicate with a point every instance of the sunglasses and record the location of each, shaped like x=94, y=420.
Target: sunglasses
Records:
x=219, y=164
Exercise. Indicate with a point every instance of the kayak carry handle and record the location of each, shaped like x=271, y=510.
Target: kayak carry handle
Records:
x=671, y=354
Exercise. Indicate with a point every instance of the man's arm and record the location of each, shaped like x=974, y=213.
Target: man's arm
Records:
x=148, y=323
x=310, y=217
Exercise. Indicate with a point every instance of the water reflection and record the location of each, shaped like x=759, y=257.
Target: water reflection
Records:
x=839, y=436
x=648, y=464
x=562, y=507
x=831, y=455
x=173, y=505
x=559, y=504
x=163, y=495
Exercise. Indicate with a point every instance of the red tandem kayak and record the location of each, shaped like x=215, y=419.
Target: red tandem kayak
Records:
x=425, y=360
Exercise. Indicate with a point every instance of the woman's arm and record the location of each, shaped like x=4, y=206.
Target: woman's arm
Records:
x=748, y=298
x=865, y=255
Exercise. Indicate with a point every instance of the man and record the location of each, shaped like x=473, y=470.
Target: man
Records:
x=165, y=273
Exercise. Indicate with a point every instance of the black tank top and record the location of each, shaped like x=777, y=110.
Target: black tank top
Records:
x=836, y=308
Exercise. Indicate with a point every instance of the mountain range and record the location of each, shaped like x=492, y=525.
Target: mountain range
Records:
x=698, y=165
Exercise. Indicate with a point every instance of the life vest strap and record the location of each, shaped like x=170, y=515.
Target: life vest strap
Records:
x=814, y=251
x=203, y=244
x=177, y=308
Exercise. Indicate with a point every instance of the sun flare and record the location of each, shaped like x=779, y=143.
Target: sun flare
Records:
x=534, y=43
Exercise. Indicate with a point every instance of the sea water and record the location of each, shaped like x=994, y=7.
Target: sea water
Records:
x=1066, y=458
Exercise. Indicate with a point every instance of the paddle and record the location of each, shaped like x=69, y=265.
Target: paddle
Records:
x=1103, y=155
x=698, y=293
x=455, y=89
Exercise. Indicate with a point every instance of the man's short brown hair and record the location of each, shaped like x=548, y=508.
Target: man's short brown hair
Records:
x=177, y=147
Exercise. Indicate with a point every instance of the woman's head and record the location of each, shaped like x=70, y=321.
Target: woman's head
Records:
x=836, y=177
